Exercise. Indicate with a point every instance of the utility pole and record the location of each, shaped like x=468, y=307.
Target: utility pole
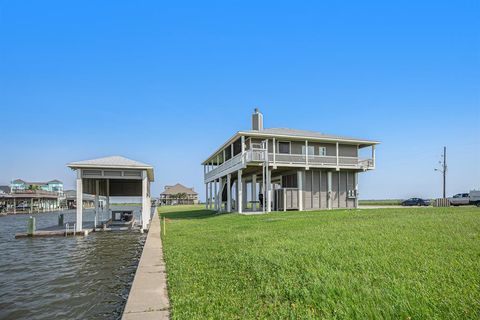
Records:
x=443, y=170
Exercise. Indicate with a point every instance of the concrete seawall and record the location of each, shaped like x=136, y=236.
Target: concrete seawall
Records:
x=148, y=298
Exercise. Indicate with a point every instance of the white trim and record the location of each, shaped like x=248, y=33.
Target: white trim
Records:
x=322, y=148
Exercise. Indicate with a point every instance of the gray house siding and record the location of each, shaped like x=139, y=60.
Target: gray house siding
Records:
x=344, y=150
x=315, y=189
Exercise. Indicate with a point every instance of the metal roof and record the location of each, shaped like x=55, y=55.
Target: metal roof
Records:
x=303, y=134
x=113, y=162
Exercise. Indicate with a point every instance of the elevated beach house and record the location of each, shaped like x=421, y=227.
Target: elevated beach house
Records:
x=284, y=169
x=51, y=186
x=178, y=194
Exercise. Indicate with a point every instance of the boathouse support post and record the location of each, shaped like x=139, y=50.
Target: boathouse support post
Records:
x=145, y=213
x=97, y=186
x=79, y=218
x=108, y=197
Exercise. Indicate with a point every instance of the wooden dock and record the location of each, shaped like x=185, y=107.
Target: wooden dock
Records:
x=88, y=227
x=53, y=233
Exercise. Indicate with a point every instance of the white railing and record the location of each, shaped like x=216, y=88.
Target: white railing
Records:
x=255, y=155
x=313, y=160
x=258, y=155
x=230, y=163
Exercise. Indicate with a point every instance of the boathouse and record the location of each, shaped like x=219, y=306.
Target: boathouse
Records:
x=113, y=176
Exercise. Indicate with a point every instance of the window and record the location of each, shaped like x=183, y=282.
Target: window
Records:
x=283, y=147
x=228, y=153
x=322, y=151
x=311, y=150
x=289, y=181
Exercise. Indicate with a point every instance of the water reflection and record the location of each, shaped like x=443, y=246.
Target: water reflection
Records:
x=70, y=278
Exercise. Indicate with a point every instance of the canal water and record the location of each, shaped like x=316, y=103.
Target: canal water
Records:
x=65, y=277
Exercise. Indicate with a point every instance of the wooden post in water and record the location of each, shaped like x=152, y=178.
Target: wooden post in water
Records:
x=31, y=226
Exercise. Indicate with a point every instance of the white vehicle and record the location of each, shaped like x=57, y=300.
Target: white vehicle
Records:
x=462, y=199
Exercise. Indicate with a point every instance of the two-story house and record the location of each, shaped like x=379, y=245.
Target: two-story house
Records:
x=285, y=169
x=178, y=194
x=18, y=185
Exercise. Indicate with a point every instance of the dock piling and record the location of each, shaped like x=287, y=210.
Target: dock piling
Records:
x=31, y=226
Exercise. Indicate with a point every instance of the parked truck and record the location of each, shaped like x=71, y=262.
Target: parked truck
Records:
x=462, y=199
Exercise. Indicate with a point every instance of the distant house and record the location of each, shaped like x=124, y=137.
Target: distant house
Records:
x=4, y=189
x=178, y=194
x=269, y=169
x=52, y=186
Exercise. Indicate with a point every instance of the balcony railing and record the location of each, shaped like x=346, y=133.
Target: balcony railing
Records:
x=226, y=166
x=312, y=160
x=259, y=155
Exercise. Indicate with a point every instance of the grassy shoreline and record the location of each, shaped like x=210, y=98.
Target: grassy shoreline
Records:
x=383, y=263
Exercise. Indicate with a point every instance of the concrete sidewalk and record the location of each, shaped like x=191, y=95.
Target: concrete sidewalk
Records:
x=148, y=298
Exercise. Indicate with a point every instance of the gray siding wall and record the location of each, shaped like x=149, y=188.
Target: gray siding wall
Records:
x=315, y=189
x=344, y=150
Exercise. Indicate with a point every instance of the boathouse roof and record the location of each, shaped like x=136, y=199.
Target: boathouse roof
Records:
x=114, y=162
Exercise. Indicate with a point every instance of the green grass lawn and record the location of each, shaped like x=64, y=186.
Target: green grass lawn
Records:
x=418, y=263
x=385, y=202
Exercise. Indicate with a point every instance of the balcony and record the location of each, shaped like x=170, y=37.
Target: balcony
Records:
x=280, y=159
x=289, y=160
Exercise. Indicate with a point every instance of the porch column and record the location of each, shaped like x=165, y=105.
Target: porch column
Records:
x=242, y=139
x=215, y=194
x=355, y=181
x=210, y=195
x=245, y=194
x=229, y=193
x=306, y=154
x=219, y=195
x=274, y=144
x=373, y=155
x=97, y=187
x=329, y=189
x=206, y=195
x=79, y=220
x=254, y=192
x=300, y=189
x=338, y=160
x=268, y=185
x=239, y=192
x=145, y=213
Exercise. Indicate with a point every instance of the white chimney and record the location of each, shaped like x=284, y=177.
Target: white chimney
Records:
x=257, y=120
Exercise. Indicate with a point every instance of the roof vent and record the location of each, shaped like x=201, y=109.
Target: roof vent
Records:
x=257, y=120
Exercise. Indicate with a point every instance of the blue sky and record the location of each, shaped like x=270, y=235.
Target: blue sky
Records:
x=167, y=82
